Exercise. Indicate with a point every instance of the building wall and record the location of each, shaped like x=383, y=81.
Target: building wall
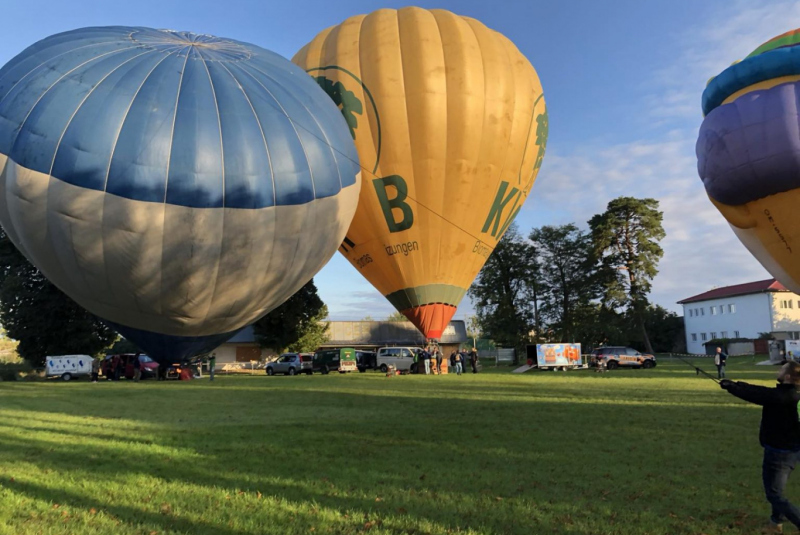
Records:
x=786, y=314
x=226, y=353
x=752, y=315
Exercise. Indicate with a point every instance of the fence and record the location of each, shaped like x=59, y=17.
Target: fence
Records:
x=500, y=355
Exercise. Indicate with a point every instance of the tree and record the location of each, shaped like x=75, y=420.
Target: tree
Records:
x=665, y=329
x=296, y=325
x=500, y=292
x=625, y=237
x=565, y=281
x=397, y=316
x=40, y=316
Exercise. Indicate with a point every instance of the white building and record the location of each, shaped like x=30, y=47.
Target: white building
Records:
x=741, y=311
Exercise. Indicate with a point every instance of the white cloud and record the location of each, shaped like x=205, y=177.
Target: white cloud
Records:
x=712, y=46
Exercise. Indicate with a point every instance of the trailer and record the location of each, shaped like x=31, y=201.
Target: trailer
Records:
x=68, y=366
x=556, y=357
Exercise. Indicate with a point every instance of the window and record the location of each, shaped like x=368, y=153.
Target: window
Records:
x=702, y=311
x=732, y=309
x=724, y=334
x=694, y=337
x=713, y=336
x=703, y=336
x=691, y=312
x=713, y=311
x=736, y=334
x=722, y=309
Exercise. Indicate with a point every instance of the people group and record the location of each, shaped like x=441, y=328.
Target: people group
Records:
x=431, y=359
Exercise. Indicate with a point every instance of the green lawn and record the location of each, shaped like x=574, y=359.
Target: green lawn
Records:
x=658, y=451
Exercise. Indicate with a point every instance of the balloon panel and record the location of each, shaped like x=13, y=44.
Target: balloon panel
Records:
x=451, y=126
x=171, y=182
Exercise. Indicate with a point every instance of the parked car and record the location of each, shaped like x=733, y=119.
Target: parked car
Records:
x=292, y=364
x=68, y=366
x=148, y=366
x=614, y=357
x=366, y=360
x=401, y=357
x=341, y=360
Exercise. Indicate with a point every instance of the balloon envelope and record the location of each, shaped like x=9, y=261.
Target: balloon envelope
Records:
x=170, y=182
x=748, y=152
x=450, y=125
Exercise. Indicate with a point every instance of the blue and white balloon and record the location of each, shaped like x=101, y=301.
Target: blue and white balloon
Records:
x=174, y=184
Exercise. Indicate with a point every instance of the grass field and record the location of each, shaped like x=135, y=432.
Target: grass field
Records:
x=658, y=451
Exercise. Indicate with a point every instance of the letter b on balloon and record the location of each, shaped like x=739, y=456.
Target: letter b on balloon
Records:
x=398, y=201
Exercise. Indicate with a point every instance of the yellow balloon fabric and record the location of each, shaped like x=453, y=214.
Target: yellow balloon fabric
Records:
x=450, y=124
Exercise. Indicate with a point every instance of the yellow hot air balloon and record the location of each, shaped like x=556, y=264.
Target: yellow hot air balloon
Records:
x=450, y=125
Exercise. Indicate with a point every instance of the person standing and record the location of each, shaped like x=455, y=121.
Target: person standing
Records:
x=438, y=361
x=137, y=368
x=719, y=359
x=473, y=360
x=212, y=362
x=116, y=366
x=426, y=360
x=459, y=362
x=95, y=369
x=779, y=435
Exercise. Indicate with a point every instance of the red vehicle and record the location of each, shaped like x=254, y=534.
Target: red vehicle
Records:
x=149, y=367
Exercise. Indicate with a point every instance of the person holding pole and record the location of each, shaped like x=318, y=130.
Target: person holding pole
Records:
x=779, y=436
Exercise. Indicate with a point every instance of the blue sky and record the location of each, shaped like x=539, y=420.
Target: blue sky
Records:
x=622, y=81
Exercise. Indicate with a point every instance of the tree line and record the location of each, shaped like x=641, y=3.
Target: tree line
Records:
x=565, y=284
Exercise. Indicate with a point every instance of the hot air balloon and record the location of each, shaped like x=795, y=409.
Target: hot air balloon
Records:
x=748, y=152
x=178, y=185
x=450, y=125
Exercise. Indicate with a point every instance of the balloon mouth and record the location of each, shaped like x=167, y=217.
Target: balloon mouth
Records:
x=431, y=319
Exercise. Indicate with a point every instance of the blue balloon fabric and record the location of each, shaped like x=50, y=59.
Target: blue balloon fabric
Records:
x=176, y=184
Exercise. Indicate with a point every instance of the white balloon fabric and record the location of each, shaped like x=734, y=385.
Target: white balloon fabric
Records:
x=171, y=182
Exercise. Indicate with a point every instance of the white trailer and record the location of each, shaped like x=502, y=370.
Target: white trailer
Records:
x=68, y=366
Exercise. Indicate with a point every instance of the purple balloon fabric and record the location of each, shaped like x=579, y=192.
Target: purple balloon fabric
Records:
x=750, y=149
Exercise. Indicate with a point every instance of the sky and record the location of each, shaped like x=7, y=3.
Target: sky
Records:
x=622, y=81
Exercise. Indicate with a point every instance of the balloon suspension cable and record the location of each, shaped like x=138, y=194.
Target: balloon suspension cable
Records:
x=699, y=370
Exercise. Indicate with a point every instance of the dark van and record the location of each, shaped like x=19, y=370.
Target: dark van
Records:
x=341, y=360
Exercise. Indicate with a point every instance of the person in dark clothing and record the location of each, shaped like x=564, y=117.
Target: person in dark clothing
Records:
x=720, y=358
x=779, y=436
x=137, y=368
x=439, y=361
x=116, y=366
x=453, y=359
x=473, y=360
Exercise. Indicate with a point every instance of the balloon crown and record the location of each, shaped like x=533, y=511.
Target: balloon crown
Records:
x=210, y=47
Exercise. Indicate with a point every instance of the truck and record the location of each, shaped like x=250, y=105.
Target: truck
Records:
x=341, y=360
x=68, y=366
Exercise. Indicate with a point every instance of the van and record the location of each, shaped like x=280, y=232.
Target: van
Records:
x=401, y=357
x=68, y=366
x=340, y=360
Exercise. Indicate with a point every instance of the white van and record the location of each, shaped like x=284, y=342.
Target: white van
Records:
x=401, y=357
x=68, y=366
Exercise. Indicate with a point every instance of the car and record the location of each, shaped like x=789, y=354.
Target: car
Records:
x=613, y=357
x=401, y=357
x=341, y=360
x=292, y=364
x=148, y=366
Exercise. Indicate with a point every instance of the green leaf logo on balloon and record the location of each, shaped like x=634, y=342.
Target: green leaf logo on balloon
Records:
x=542, y=129
x=346, y=100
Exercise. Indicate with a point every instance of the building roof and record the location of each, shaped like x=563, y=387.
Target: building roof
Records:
x=373, y=333
x=769, y=285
